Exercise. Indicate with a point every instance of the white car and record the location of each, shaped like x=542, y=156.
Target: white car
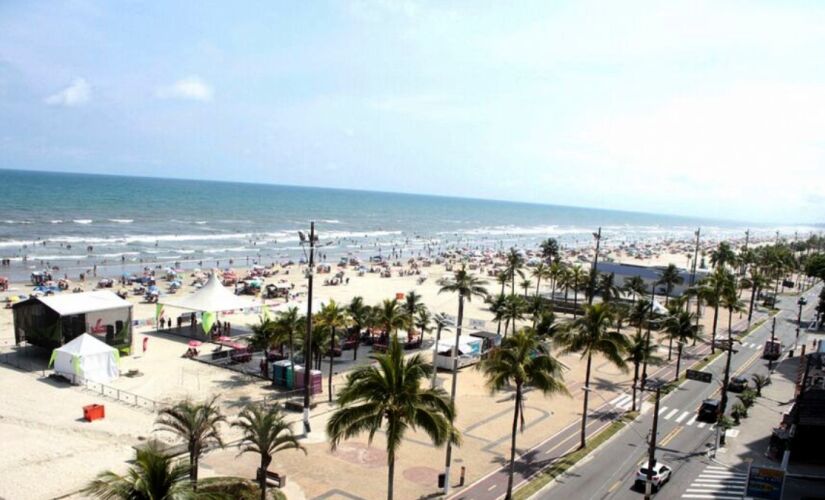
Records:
x=661, y=475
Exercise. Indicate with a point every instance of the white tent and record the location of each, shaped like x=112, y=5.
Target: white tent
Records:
x=211, y=297
x=469, y=351
x=86, y=358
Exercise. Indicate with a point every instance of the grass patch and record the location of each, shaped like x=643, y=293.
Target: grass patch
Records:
x=561, y=466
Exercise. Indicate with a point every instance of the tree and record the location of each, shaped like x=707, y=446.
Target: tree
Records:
x=540, y=272
x=422, y=321
x=496, y=306
x=590, y=335
x=759, y=382
x=441, y=324
x=525, y=285
x=670, y=278
x=515, y=308
x=466, y=286
x=388, y=395
x=710, y=292
x=682, y=328
x=266, y=433
x=197, y=424
x=522, y=360
x=722, y=255
x=515, y=262
x=412, y=304
x=635, y=286
x=576, y=279
x=756, y=281
x=291, y=324
x=153, y=476
x=390, y=316
x=550, y=250
x=265, y=335
x=815, y=266
x=606, y=287
x=359, y=314
x=556, y=272
x=332, y=317
x=640, y=351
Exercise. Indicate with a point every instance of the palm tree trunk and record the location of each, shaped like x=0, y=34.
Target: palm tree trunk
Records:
x=193, y=463
x=678, y=360
x=750, y=307
x=357, y=343
x=262, y=479
x=586, y=394
x=449, y=454
x=331, y=355
x=670, y=349
x=435, y=356
x=575, y=303
x=635, y=382
x=390, y=476
x=513, y=443
x=713, y=331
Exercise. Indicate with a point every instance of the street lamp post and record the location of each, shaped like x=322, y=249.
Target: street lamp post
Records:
x=647, y=334
x=801, y=302
x=651, y=454
x=773, y=338
x=308, y=343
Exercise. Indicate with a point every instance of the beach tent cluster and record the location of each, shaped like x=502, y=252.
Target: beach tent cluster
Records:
x=210, y=299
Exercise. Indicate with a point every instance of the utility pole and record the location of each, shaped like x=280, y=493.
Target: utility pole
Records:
x=798, y=322
x=449, y=457
x=651, y=458
x=308, y=343
x=720, y=438
x=695, y=257
x=598, y=237
x=773, y=338
x=647, y=335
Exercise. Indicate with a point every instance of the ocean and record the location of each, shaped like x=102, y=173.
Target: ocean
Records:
x=76, y=221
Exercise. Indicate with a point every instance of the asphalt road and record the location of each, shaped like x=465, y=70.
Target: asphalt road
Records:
x=683, y=443
x=600, y=474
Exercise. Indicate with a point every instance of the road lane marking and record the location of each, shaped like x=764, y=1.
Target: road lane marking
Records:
x=617, y=399
x=692, y=420
x=671, y=413
x=662, y=410
x=491, y=488
x=615, y=485
x=670, y=436
x=682, y=417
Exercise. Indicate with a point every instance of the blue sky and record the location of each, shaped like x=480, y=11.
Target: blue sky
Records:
x=698, y=108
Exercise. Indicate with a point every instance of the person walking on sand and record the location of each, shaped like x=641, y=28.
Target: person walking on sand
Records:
x=145, y=344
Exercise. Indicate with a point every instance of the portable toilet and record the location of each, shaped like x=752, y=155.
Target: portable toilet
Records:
x=282, y=375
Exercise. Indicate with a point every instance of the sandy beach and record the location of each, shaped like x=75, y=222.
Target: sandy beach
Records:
x=51, y=440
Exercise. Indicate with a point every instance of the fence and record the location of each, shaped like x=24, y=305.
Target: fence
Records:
x=118, y=394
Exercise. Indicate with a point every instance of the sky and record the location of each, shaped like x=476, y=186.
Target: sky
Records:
x=701, y=108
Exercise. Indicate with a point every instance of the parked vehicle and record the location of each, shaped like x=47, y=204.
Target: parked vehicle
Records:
x=709, y=411
x=738, y=384
x=661, y=475
x=772, y=350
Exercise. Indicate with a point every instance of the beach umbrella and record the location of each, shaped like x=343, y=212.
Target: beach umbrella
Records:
x=194, y=343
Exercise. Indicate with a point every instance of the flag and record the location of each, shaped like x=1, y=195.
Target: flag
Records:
x=265, y=312
x=207, y=319
x=158, y=311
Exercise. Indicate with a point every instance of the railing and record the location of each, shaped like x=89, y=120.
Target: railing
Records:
x=118, y=394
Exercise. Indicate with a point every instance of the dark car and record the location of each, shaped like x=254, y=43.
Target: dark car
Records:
x=709, y=411
x=738, y=384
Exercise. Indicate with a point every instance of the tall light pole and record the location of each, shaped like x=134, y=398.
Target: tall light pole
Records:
x=449, y=456
x=695, y=257
x=651, y=452
x=308, y=342
x=647, y=335
x=598, y=237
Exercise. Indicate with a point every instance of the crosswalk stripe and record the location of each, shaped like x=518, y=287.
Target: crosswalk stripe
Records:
x=701, y=425
x=671, y=413
x=662, y=410
x=691, y=421
x=716, y=467
x=719, y=497
x=682, y=417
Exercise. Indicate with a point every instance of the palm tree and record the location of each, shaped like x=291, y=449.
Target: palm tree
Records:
x=525, y=285
x=541, y=271
x=711, y=293
x=502, y=278
x=153, y=476
x=441, y=324
x=514, y=309
x=291, y=323
x=730, y=301
x=577, y=278
x=265, y=335
x=722, y=255
x=332, y=317
x=515, y=262
x=389, y=395
x=606, y=287
x=756, y=281
x=359, y=314
x=390, y=316
x=197, y=424
x=522, y=360
x=635, y=286
x=550, y=250
x=682, y=328
x=640, y=351
x=412, y=304
x=670, y=278
x=422, y=321
x=555, y=273
x=590, y=335
x=535, y=307
x=496, y=306
x=266, y=433
x=466, y=286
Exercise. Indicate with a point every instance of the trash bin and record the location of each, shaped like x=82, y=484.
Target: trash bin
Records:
x=442, y=479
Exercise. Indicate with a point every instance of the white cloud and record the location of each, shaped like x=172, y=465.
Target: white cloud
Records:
x=76, y=94
x=191, y=87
